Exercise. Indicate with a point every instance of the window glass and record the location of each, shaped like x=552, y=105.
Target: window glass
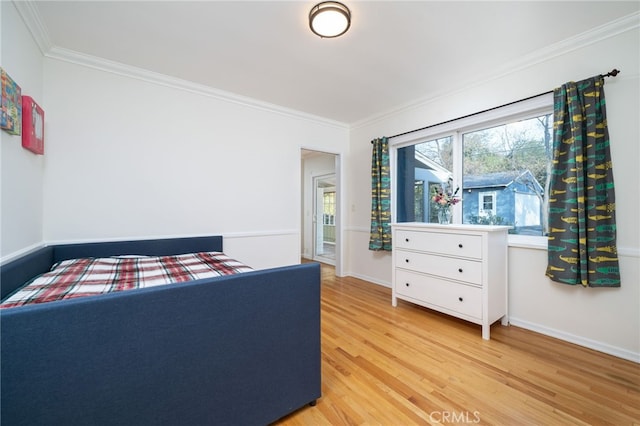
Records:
x=505, y=174
x=419, y=201
x=329, y=208
x=420, y=167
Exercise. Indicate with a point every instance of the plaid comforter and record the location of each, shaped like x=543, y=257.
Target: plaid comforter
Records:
x=91, y=276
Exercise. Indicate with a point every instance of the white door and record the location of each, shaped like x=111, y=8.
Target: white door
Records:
x=324, y=243
x=318, y=223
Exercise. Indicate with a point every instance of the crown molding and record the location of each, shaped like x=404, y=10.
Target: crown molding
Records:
x=129, y=71
x=31, y=17
x=594, y=35
x=29, y=14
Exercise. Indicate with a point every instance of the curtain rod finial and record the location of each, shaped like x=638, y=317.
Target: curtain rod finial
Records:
x=613, y=73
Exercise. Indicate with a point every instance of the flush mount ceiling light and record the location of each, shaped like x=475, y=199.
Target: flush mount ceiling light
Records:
x=329, y=19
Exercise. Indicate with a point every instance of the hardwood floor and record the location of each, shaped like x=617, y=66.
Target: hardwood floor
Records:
x=409, y=365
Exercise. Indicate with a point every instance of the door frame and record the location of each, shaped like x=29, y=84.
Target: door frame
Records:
x=340, y=212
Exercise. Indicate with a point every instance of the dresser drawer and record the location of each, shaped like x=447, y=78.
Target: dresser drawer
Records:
x=461, y=298
x=447, y=267
x=464, y=245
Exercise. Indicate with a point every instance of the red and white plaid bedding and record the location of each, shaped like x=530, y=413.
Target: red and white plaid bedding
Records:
x=91, y=276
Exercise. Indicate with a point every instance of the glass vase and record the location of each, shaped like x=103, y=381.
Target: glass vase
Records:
x=444, y=216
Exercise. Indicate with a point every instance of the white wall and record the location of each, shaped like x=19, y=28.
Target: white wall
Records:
x=604, y=319
x=132, y=158
x=21, y=170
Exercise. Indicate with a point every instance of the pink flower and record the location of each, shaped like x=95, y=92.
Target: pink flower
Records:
x=445, y=199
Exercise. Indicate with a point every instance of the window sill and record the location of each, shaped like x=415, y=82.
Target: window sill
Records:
x=528, y=241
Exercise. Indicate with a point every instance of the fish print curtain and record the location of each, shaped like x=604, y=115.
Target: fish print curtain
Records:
x=380, y=237
x=582, y=226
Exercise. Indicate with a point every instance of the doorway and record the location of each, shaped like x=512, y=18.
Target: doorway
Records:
x=321, y=208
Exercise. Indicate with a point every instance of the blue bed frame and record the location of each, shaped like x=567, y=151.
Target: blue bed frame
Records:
x=240, y=350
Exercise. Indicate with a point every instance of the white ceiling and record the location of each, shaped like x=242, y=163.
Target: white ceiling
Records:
x=395, y=53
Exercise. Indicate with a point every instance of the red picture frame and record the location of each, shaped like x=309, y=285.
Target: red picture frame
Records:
x=32, y=126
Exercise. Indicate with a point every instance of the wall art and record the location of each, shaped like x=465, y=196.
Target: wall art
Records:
x=10, y=105
x=32, y=126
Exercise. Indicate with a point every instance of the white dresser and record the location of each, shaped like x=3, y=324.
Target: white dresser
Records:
x=460, y=270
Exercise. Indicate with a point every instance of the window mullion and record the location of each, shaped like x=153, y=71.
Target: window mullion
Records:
x=457, y=155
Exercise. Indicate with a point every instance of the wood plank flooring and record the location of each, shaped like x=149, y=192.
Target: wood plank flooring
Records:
x=410, y=365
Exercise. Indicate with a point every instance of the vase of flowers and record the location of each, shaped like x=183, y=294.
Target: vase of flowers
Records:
x=444, y=199
x=444, y=215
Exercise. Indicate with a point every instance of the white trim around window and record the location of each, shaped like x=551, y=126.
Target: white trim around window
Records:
x=482, y=211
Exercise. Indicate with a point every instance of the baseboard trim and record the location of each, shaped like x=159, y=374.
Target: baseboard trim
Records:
x=581, y=341
x=369, y=279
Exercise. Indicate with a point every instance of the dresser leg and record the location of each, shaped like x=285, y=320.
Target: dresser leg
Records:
x=486, y=329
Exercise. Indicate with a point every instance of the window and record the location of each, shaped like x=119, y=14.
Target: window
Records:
x=429, y=161
x=500, y=160
x=487, y=204
x=329, y=208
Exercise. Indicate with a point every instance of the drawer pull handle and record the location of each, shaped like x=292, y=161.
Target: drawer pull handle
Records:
x=407, y=284
x=406, y=260
x=460, y=299
x=460, y=270
x=406, y=239
x=460, y=245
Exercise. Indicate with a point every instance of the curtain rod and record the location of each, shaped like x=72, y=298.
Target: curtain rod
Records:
x=611, y=73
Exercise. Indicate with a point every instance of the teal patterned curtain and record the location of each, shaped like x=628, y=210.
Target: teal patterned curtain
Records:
x=582, y=225
x=380, y=238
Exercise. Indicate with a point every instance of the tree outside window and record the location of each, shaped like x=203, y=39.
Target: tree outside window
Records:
x=514, y=161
